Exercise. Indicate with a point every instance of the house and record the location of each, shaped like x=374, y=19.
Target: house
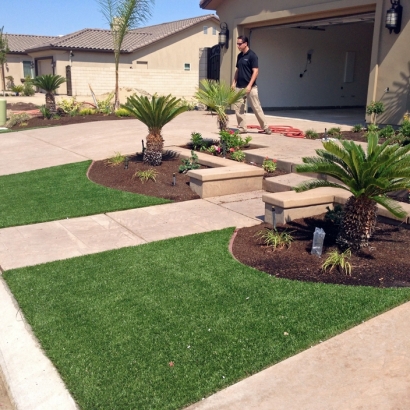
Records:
x=322, y=54
x=167, y=58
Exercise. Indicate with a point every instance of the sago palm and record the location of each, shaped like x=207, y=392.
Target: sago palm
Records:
x=49, y=83
x=369, y=176
x=218, y=96
x=154, y=112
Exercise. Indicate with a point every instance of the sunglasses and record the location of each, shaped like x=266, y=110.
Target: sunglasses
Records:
x=239, y=44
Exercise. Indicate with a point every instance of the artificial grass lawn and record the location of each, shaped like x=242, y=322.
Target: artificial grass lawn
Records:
x=61, y=192
x=112, y=322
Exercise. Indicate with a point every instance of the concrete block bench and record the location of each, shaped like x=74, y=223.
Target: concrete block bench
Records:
x=226, y=180
x=283, y=207
x=225, y=177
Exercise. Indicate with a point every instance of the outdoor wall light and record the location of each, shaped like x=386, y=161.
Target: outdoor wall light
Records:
x=393, y=17
x=223, y=36
x=71, y=53
x=32, y=65
x=53, y=63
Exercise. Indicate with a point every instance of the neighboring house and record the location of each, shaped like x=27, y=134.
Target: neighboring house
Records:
x=349, y=56
x=165, y=58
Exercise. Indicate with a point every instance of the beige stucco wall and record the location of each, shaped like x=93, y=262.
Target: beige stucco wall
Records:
x=390, y=57
x=163, y=72
x=14, y=67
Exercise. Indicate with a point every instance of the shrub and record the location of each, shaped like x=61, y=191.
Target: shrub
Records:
x=238, y=156
x=116, y=160
x=17, y=119
x=335, y=132
x=28, y=88
x=197, y=140
x=405, y=128
x=338, y=260
x=87, y=111
x=387, y=132
x=146, y=175
x=69, y=106
x=189, y=163
x=17, y=88
x=275, y=239
x=311, y=134
x=269, y=165
x=232, y=139
x=45, y=112
x=372, y=128
x=106, y=106
x=357, y=128
x=122, y=112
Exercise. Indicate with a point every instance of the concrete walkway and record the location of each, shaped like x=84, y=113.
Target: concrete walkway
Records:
x=366, y=367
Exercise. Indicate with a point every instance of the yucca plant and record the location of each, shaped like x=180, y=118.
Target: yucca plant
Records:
x=154, y=112
x=49, y=83
x=218, y=96
x=369, y=176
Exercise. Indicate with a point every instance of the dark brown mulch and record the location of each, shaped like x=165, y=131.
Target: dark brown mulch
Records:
x=384, y=264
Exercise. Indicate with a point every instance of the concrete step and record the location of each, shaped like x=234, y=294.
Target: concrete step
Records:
x=284, y=183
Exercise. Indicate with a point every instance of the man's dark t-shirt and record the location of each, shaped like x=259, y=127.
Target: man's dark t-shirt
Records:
x=245, y=63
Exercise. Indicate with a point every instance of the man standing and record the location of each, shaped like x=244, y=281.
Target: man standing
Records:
x=245, y=78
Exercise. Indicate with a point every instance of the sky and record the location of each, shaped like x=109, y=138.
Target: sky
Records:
x=60, y=17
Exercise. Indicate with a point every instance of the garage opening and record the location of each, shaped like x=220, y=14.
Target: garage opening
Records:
x=315, y=64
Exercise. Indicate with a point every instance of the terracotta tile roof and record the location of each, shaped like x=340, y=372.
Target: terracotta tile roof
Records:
x=18, y=43
x=101, y=40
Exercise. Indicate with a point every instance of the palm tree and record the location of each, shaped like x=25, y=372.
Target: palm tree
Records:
x=123, y=15
x=218, y=96
x=369, y=176
x=49, y=83
x=154, y=112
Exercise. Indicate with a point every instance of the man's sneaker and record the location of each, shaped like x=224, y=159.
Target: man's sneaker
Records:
x=268, y=131
x=242, y=131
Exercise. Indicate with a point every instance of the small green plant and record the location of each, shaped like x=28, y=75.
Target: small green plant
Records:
x=405, y=128
x=334, y=215
x=28, y=88
x=372, y=128
x=311, y=134
x=196, y=140
x=213, y=149
x=17, y=88
x=45, y=112
x=189, y=163
x=338, y=260
x=146, y=175
x=275, y=239
x=269, y=165
x=357, y=128
x=116, y=160
x=106, y=106
x=69, y=106
x=185, y=103
x=374, y=109
x=335, y=132
x=238, y=156
x=232, y=139
x=387, y=132
x=396, y=139
x=87, y=111
x=17, y=119
x=122, y=112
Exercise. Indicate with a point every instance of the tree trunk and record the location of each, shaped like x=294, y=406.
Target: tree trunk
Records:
x=358, y=223
x=153, y=152
x=51, y=103
x=3, y=78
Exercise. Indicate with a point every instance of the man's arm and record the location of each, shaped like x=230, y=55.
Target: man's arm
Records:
x=255, y=72
x=235, y=79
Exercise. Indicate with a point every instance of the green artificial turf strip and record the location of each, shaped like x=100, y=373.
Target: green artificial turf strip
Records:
x=112, y=322
x=61, y=192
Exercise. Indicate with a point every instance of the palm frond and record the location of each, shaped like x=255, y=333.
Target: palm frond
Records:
x=391, y=205
x=48, y=82
x=317, y=183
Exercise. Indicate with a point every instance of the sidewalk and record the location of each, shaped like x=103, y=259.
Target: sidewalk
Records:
x=366, y=367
